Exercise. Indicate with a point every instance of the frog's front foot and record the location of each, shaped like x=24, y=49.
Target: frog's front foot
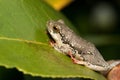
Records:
x=72, y=57
x=52, y=43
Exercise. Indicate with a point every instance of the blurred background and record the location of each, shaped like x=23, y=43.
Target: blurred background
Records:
x=99, y=22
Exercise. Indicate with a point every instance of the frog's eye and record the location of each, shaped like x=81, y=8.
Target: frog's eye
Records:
x=55, y=29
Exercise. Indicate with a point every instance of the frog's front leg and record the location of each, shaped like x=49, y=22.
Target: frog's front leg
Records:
x=52, y=43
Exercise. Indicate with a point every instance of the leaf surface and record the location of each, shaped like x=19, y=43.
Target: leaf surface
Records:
x=24, y=43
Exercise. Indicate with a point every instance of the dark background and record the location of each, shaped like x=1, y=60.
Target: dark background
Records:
x=97, y=21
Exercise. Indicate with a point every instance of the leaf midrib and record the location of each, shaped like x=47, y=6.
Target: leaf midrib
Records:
x=23, y=40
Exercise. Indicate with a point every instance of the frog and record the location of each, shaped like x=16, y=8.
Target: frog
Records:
x=81, y=51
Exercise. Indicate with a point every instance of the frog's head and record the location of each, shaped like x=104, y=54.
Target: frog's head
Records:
x=54, y=28
x=58, y=30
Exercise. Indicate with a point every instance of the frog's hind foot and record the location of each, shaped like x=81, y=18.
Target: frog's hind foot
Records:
x=72, y=57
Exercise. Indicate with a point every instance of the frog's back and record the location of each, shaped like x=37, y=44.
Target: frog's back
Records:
x=84, y=48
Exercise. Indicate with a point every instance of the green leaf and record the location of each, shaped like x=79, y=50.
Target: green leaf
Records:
x=24, y=43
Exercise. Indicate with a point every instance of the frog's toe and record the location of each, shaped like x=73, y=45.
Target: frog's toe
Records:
x=52, y=43
x=73, y=59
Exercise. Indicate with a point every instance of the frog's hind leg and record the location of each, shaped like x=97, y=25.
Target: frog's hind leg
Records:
x=76, y=61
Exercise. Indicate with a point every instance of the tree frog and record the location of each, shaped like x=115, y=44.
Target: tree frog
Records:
x=81, y=51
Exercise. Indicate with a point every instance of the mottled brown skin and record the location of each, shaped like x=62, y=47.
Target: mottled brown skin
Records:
x=80, y=50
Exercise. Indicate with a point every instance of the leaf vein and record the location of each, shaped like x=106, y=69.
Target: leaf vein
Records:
x=22, y=40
